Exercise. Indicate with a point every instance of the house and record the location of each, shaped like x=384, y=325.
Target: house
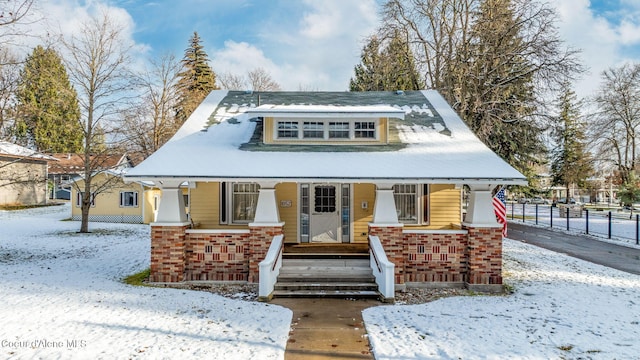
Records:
x=274, y=169
x=114, y=200
x=120, y=202
x=23, y=175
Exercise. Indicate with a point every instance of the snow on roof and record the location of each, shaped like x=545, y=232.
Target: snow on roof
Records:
x=7, y=148
x=437, y=145
x=324, y=111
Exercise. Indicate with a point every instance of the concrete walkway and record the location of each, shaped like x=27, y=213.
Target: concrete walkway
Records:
x=326, y=328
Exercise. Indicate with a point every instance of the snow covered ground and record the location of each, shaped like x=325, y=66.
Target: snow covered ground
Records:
x=61, y=297
x=562, y=308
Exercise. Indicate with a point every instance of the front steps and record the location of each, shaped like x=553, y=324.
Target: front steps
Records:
x=326, y=275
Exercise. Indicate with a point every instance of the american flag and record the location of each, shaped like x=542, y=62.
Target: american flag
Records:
x=500, y=208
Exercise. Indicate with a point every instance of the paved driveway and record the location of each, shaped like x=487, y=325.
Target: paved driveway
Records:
x=583, y=247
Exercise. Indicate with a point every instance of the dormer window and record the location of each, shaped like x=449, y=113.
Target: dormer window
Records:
x=362, y=130
x=326, y=124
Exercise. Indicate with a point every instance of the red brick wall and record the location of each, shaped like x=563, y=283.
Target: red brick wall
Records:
x=435, y=257
x=259, y=242
x=217, y=257
x=167, y=253
x=485, y=255
x=392, y=242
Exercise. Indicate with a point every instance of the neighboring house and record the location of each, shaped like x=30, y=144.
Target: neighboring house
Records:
x=273, y=169
x=23, y=175
x=70, y=165
x=134, y=203
x=115, y=201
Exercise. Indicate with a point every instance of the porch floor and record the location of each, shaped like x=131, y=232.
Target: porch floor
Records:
x=326, y=248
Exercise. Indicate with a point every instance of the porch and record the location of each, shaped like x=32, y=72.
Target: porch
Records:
x=395, y=256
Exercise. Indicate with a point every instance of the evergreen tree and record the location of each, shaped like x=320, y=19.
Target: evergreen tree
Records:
x=196, y=80
x=391, y=67
x=494, y=86
x=571, y=163
x=48, y=109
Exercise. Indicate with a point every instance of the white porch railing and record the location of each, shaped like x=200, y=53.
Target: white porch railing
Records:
x=270, y=269
x=383, y=269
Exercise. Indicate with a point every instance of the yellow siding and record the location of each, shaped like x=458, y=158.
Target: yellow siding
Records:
x=287, y=197
x=444, y=207
x=267, y=130
x=149, y=211
x=108, y=202
x=205, y=201
x=362, y=217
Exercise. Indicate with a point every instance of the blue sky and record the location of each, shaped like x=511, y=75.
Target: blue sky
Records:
x=314, y=44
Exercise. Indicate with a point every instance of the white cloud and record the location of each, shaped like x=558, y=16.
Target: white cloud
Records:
x=601, y=40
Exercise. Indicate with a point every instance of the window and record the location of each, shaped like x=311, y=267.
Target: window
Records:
x=238, y=202
x=313, y=130
x=411, y=203
x=128, y=199
x=338, y=130
x=365, y=129
x=287, y=129
x=79, y=195
x=325, y=199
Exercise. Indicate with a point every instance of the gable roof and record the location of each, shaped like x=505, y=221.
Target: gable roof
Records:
x=72, y=163
x=435, y=145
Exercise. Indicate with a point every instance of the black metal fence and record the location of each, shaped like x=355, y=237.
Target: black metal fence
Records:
x=609, y=223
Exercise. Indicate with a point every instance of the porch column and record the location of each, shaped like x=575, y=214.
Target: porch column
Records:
x=484, y=250
x=480, y=209
x=386, y=226
x=168, y=235
x=384, y=210
x=266, y=224
x=171, y=208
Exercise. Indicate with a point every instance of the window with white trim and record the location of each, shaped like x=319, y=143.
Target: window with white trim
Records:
x=326, y=129
x=412, y=203
x=287, y=129
x=79, y=195
x=128, y=199
x=364, y=129
x=238, y=202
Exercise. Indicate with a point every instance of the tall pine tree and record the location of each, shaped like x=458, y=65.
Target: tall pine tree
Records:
x=390, y=67
x=570, y=162
x=195, y=81
x=48, y=109
x=494, y=85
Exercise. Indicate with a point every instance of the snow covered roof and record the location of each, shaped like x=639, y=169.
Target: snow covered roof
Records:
x=434, y=144
x=325, y=111
x=14, y=150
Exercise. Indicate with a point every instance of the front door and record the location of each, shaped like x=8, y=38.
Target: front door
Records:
x=325, y=213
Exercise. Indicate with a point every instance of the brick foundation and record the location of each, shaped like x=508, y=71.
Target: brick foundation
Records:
x=217, y=257
x=392, y=241
x=484, y=254
x=259, y=241
x=435, y=257
x=167, y=253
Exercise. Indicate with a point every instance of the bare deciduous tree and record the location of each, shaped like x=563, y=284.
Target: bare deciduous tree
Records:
x=9, y=75
x=616, y=124
x=97, y=61
x=149, y=124
x=257, y=79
